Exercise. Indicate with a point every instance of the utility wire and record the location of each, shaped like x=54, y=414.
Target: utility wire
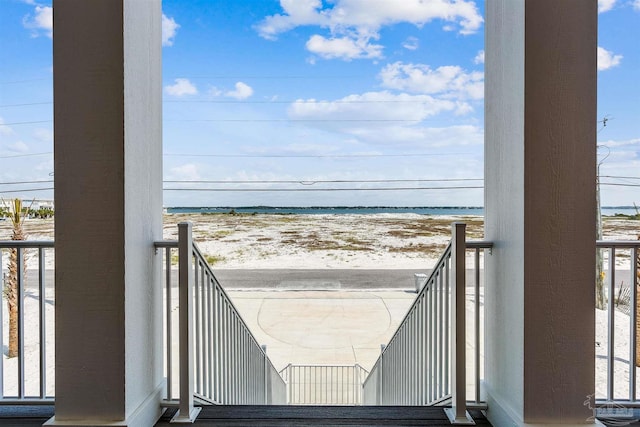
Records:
x=313, y=155
x=293, y=190
x=314, y=181
x=278, y=101
x=293, y=120
x=304, y=181
x=25, y=123
x=25, y=191
x=24, y=81
x=272, y=77
x=27, y=104
x=25, y=155
x=320, y=189
x=620, y=177
x=299, y=181
x=620, y=185
x=25, y=182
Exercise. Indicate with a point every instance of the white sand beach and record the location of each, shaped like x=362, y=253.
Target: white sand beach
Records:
x=377, y=241
x=373, y=241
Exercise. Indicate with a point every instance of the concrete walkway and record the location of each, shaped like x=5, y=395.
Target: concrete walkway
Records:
x=323, y=326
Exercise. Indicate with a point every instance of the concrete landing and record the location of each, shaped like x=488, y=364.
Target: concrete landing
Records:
x=322, y=327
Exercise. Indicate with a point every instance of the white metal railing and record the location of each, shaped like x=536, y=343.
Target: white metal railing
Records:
x=324, y=384
x=218, y=358
x=425, y=362
x=27, y=377
x=617, y=328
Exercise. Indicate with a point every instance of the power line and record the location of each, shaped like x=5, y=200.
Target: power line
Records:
x=316, y=181
x=620, y=185
x=227, y=101
x=297, y=181
x=308, y=181
x=25, y=123
x=26, y=104
x=320, y=189
x=25, y=155
x=620, y=177
x=26, y=191
x=293, y=120
x=313, y=155
x=283, y=156
x=24, y=81
x=243, y=190
x=272, y=77
x=25, y=182
x=254, y=121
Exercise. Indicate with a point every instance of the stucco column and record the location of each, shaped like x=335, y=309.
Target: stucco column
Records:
x=540, y=148
x=108, y=193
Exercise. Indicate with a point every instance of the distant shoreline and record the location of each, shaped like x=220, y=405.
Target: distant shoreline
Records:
x=351, y=210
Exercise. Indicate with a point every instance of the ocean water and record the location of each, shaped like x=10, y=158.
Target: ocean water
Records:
x=338, y=210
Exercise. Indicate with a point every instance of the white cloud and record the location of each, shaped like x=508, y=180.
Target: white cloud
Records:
x=241, y=91
x=41, y=22
x=449, y=81
x=214, y=91
x=16, y=147
x=296, y=13
x=624, y=143
x=479, y=59
x=607, y=59
x=605, y=5
x=43, y=135
x=423, y=137
x=377, y=109
x=636, y=5
x=343, y=48
x=411, y=43
x=5, y=129
x=181, y=87
x=187, y=172
x=361, y=20
x=169, y=30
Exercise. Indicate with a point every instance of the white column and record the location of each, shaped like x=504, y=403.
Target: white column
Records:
x=540, y=146
x=108, y=179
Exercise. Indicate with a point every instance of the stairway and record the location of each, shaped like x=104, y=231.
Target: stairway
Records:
x=270, y=416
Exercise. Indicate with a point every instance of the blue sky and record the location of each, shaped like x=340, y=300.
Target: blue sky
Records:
x=311, y=94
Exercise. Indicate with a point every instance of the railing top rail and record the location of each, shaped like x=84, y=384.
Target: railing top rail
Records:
x=479, y=244
x=618, y=244
x=29, y=244
x=166, y=244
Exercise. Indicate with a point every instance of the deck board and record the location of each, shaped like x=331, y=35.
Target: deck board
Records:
x=270, y=416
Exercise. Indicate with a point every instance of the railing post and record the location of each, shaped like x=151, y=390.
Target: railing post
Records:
x=266, y=375
x=187, y=413
x=379, y=397
x=458, y=412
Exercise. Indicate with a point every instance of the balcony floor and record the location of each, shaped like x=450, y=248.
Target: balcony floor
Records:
x=268, y=416
x=271, y=416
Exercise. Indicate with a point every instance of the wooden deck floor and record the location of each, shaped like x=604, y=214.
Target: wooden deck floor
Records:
x=271, y=416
